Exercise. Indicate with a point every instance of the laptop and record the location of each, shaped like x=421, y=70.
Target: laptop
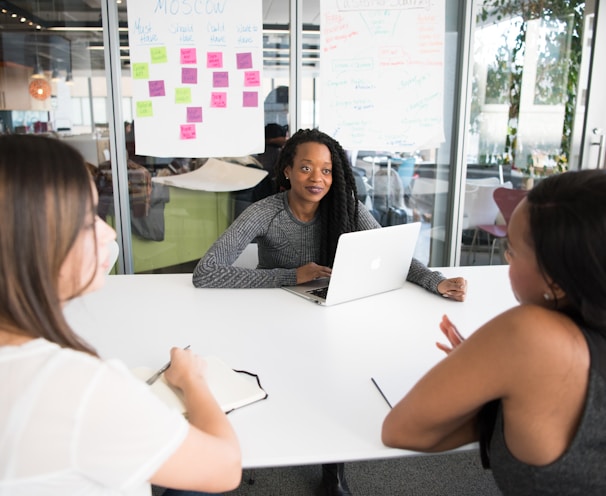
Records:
x=366, y=263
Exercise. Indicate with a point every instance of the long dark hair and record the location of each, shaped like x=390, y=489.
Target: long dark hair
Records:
x=339, y=208
x=567, y=215
x=45, y=197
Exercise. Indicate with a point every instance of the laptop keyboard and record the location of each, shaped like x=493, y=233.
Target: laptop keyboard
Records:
x=321, y=292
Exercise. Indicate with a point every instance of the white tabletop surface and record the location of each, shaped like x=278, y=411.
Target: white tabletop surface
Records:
x=315, y=362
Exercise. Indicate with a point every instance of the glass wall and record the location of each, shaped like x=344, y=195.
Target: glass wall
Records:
x=528, y=75
x=529, y=79
x=401, y=186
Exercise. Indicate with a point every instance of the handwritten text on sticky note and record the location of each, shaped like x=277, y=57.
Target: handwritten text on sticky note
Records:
x=194, y=114
x=144, y=108
x=250, y=99
x=218, y=99
x=158, y=55
x=182, y=95
x=156, y=88
x=244, y=60
x=252, y=78
x=187, y=131
x=188, y=56
x=214, y=60
x=140, y=70
x=189, y=75
x=220, y=79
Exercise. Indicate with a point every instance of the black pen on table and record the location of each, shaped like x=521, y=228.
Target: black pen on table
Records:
x=381, y=391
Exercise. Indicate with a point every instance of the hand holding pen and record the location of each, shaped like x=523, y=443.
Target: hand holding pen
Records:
x=185, y=367
x=451, y=332
x=161, y=370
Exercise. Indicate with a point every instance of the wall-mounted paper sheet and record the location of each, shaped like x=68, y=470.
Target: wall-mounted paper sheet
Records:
x=216, y=175
x=196, y=73
x=382, y=67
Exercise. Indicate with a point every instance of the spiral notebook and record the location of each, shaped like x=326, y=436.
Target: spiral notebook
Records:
x=232, y=389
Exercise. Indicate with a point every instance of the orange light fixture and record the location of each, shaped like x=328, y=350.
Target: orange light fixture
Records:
x=40, y=89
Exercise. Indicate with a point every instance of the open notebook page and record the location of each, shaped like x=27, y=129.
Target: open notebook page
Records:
x=231, y=389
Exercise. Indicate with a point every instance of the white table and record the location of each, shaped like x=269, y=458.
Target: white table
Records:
x=315, y=362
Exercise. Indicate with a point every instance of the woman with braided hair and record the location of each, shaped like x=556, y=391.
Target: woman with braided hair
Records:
x=340, y=207
x=296, y=231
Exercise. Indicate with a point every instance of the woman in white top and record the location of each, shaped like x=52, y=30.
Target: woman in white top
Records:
x=71, y=423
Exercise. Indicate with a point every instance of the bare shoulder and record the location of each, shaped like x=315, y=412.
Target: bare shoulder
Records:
x=538, y=337
x=531, y=322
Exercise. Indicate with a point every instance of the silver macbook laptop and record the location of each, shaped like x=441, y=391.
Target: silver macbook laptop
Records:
x=366, y=263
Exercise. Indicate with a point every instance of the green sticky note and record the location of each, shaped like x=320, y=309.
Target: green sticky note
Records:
x=140, y=70
x=158, y=55
x=182, y=95
x=145, y=109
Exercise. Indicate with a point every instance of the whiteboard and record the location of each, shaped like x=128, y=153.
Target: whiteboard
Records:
x=382, y=73
x=196, y=71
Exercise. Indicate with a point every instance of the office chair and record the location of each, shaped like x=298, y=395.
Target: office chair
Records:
x=480, y=207
x=507, y=200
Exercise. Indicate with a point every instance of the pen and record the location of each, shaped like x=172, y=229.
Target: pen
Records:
x=161, y=370
x=380, y=391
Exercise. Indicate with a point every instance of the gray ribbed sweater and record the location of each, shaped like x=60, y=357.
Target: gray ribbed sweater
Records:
x=284, y=244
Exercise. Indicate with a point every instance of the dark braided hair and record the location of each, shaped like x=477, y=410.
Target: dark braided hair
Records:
x=339, y=208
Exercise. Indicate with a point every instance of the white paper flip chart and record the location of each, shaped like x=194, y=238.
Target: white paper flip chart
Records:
x=196, y=72
x=382, y=67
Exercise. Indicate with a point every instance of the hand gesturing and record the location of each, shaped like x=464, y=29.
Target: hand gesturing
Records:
x=451, y=332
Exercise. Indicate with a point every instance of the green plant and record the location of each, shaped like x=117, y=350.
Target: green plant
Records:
x=565, y=67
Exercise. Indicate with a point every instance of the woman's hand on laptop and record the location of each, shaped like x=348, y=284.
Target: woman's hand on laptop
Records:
x=312, y=271
x=454, y=288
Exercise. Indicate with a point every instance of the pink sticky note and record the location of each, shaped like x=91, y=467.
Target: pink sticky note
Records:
x=214, y=60
x=187, y=131
x=252, y=78
x=188, y=56
x=244, y=60
x=194, y=114
x=218, y=99
x=250, y=99
x=189, y=75
x=220, y=79
x=156, y=88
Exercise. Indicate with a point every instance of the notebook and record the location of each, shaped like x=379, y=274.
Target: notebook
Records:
x=366, y=263
x=230, y=388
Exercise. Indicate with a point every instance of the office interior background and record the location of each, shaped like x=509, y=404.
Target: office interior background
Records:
x=523, y=98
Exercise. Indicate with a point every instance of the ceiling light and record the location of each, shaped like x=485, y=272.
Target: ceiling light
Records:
x=40, y=89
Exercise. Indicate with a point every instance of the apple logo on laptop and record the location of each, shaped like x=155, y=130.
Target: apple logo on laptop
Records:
x=375, y=264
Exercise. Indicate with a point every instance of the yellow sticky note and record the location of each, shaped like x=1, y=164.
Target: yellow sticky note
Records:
x=140, y=70
x=182, y=95
x=145, y=109
x=158, y=55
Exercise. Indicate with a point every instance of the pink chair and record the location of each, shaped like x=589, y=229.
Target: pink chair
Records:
x=507, y=200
